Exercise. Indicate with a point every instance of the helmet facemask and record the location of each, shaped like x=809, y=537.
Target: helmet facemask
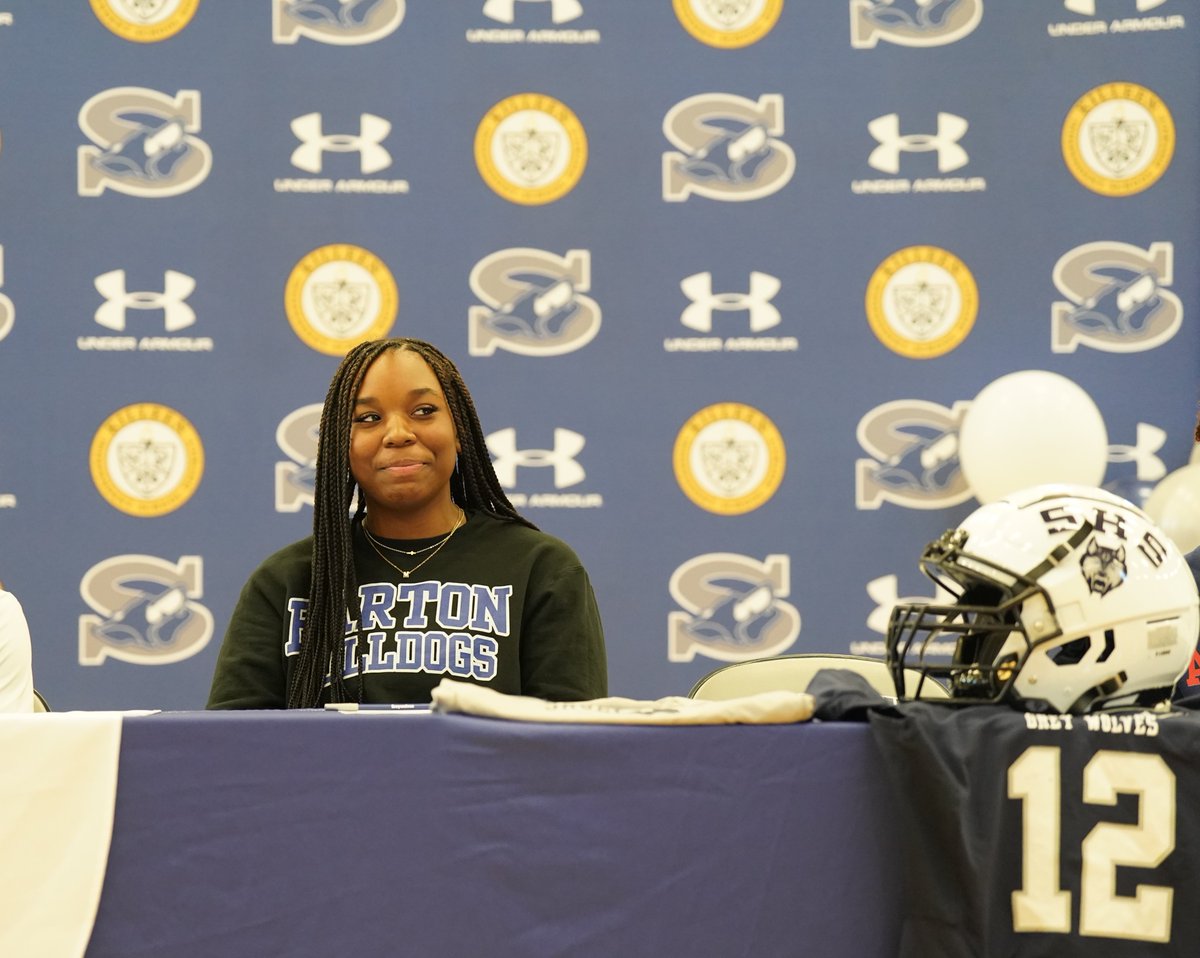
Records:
x=989, y=635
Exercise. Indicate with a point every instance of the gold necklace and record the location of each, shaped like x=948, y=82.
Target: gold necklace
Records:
x=437, y=547
x=415, y=552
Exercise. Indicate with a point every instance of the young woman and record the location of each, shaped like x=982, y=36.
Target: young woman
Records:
x=418, y=568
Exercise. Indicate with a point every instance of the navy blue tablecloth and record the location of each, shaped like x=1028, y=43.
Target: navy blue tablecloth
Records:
x=268, y=833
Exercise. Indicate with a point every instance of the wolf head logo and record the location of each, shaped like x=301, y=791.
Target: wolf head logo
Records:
x=1102, y=567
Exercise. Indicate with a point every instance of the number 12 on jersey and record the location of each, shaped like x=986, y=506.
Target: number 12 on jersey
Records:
x=1041, y=904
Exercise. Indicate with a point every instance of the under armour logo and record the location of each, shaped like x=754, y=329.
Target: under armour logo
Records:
x=372, y=131
x=567, y=444
x=1087, y=8
x=1150, y=439
x=560, y=10
x=757, y=302
x=886, y=129
x=177, y=287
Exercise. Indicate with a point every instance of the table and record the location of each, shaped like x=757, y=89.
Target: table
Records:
x=266, y=833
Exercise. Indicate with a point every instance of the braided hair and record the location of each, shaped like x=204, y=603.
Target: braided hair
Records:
x=333, y=593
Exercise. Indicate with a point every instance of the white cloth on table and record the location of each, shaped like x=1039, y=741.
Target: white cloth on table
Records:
x=58, y=786
x=762, y=708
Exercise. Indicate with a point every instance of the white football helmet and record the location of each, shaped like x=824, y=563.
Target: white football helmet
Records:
x=1068, y=599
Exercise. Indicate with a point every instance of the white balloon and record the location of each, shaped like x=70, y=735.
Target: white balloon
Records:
x=1174, y=505
x=1028, y=428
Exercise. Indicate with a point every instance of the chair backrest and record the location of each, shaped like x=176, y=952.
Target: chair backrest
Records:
x=794, y=672
x=39, y=702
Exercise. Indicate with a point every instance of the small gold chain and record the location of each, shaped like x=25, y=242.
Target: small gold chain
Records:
x=409, y=552
x=437, y=547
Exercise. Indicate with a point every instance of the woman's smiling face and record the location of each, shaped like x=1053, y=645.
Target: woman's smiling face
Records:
x=403, y=447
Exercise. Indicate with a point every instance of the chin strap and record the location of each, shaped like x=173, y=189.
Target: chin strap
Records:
x=1061, y=551
x=1105, y=690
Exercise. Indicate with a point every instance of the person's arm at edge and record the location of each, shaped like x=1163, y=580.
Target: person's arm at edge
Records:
x=16, y=657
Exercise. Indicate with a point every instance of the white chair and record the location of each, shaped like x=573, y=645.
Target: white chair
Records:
x=794, y=672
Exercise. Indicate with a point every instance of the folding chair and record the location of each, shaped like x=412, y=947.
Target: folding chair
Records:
x=794, y=672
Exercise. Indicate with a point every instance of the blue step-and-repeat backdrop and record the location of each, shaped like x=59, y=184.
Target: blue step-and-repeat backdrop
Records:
x=755, y=298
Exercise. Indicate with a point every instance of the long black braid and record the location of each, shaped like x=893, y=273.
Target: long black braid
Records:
x=333, y=594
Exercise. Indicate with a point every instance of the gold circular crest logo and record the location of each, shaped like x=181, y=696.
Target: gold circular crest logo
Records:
x=729, y=458
x=146, y=460
x=339, y=296
x=147, y=21
x=1118, y=139
x=530, y=149
x=729, y=24
x=922, y=302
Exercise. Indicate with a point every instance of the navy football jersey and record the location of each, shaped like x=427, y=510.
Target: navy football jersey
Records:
x=1037, y=835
